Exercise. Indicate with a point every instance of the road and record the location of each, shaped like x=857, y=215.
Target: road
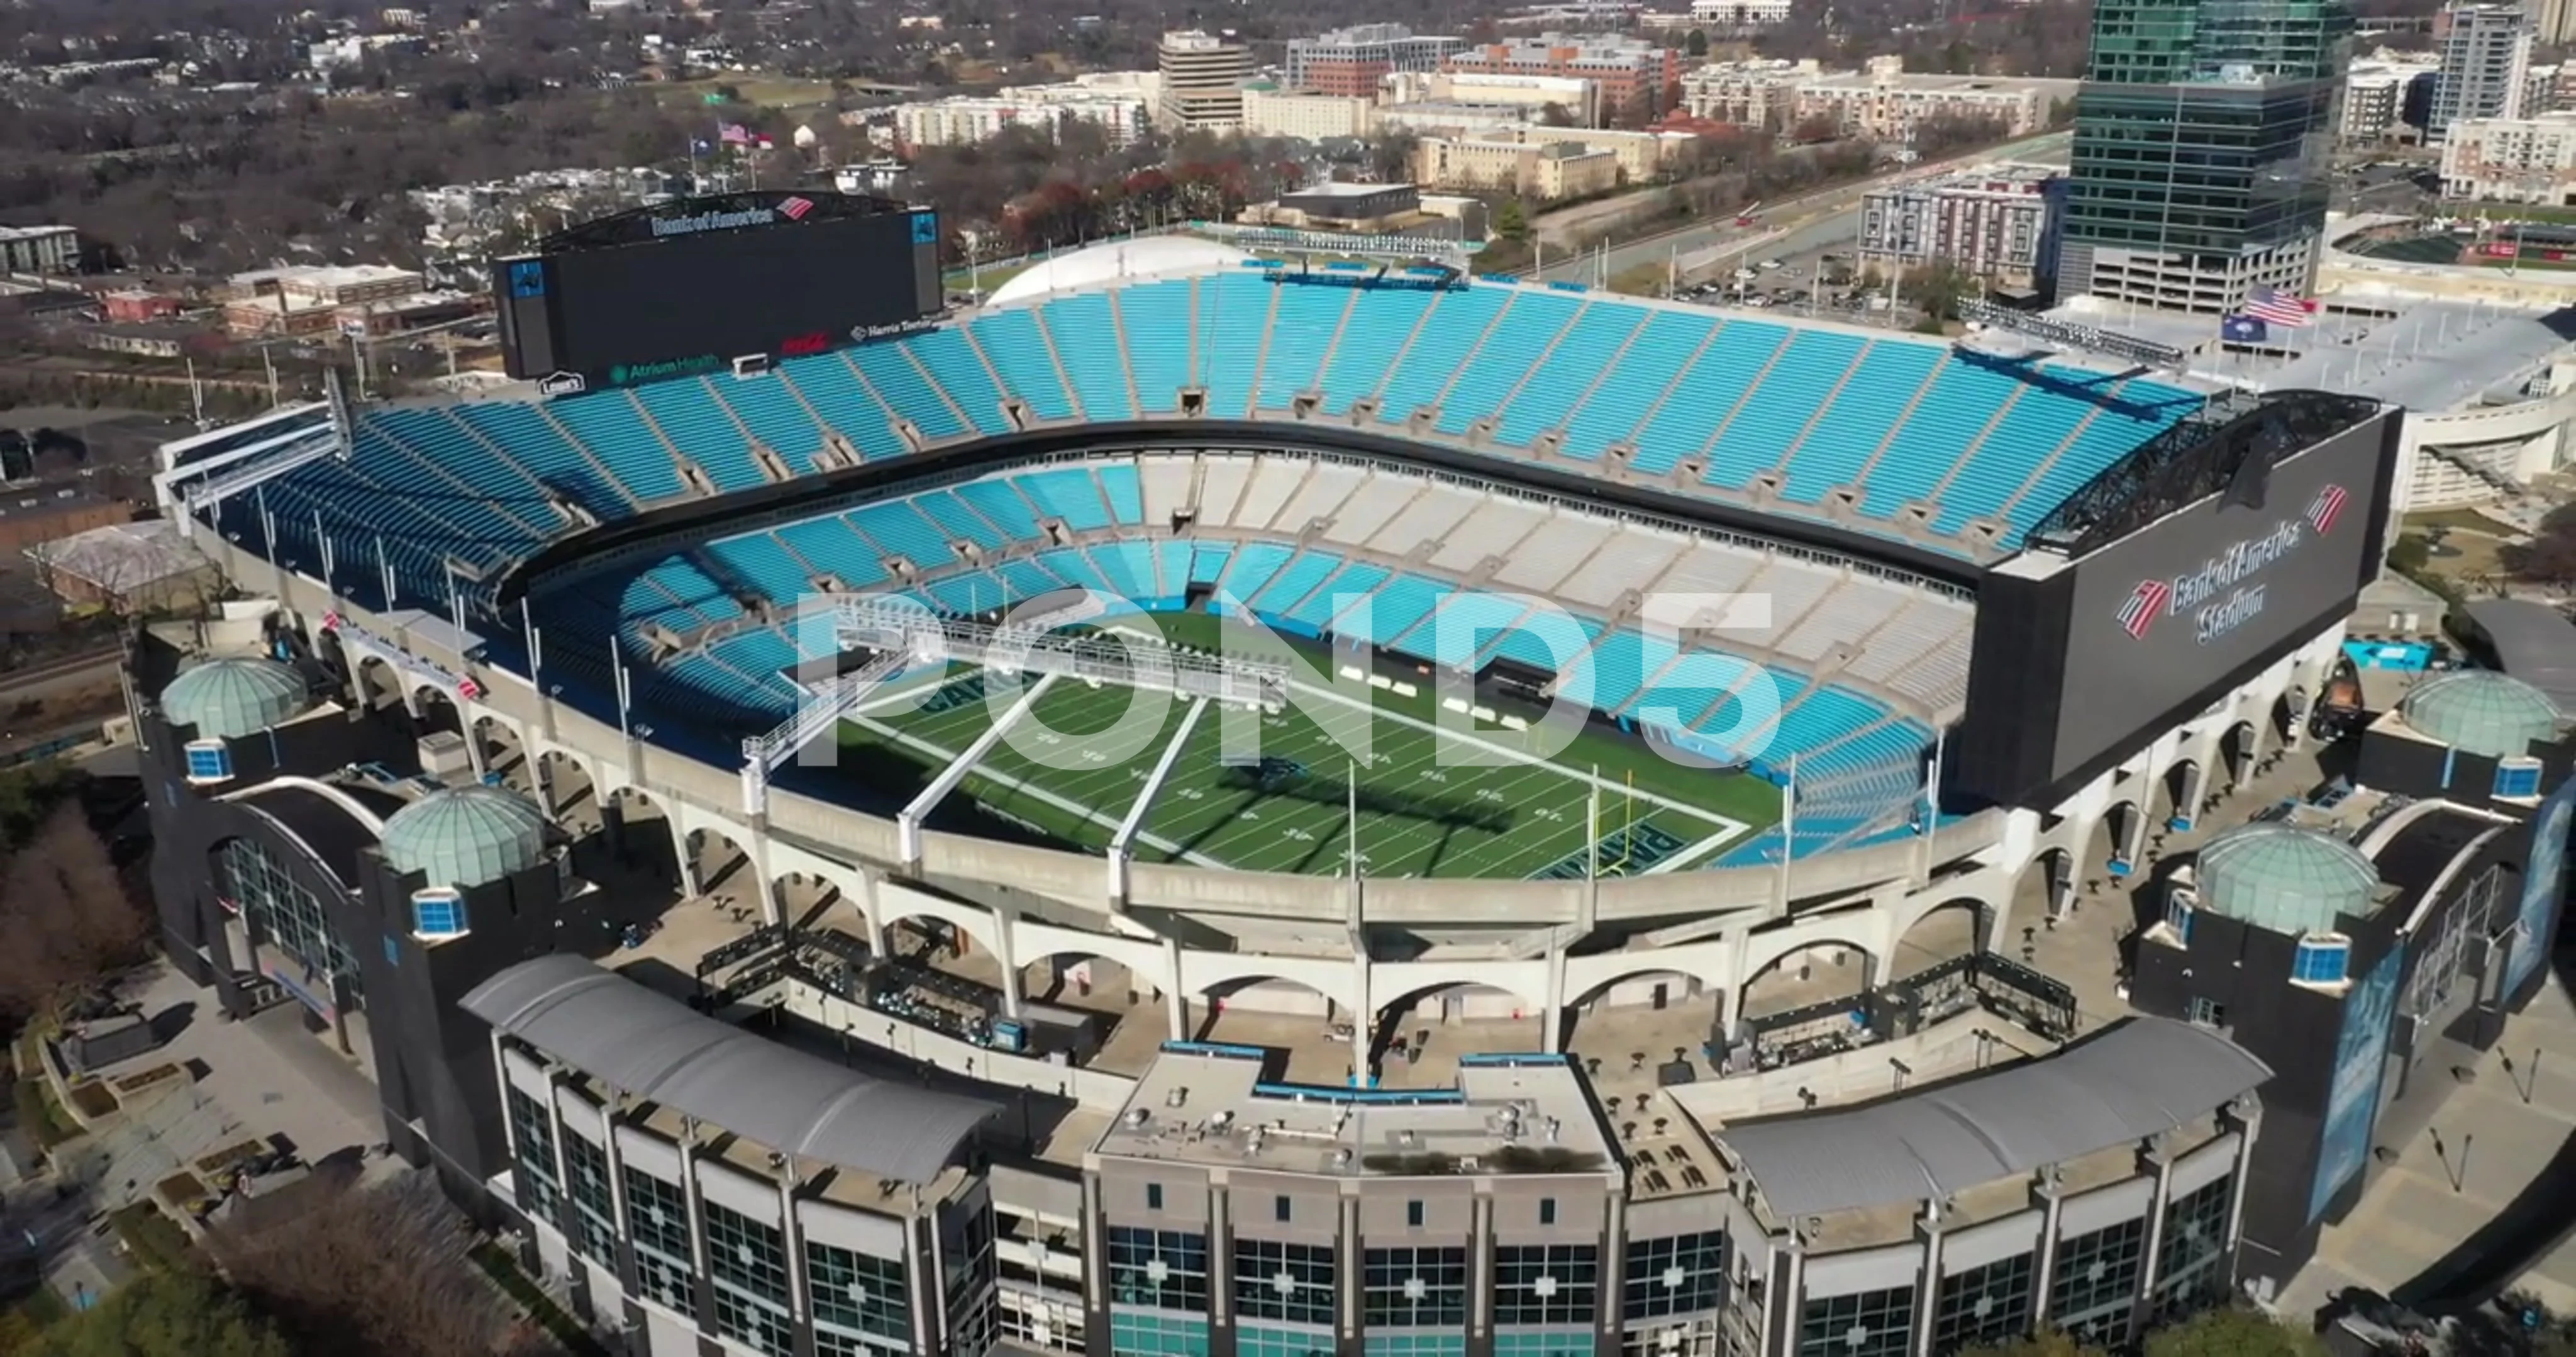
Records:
x=1795, y=226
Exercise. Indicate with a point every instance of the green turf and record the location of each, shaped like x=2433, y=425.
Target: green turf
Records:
x=1419, y=814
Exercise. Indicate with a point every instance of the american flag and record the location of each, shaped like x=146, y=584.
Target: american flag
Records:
x=733, y=134
x=2273, y=306
x=794, y=209
x=2139, y=613
x=2327, y=508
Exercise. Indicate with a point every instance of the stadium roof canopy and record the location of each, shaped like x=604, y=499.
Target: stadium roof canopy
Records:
x=1140, y=257
x=663, y=1051
x=2534, y=642
x=2146, y=1076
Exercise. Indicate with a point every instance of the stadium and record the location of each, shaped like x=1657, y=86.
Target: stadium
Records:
x=1854, y=635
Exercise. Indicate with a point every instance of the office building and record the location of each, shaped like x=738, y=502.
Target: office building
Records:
x=39, y=249
x=2486, y=57
x=1307, y=117
x=2515, y=160
x=1757, y=94
x=1532, y=165
x=1202, y=81
x=965, y=120
x=1884, y=103
x=1637, y=79
x=2376, y=96
x=1997, y=222
x=1739, y=14
x=2201, y=166
x=1353, y=61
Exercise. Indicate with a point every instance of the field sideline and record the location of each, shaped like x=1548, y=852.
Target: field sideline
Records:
x=1418, y=814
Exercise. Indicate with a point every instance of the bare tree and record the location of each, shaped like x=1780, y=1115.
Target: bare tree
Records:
x=67, y=914
x=381, y=1269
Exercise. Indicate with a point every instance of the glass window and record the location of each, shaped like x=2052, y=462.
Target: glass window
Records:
x=966, y=1253
x=1862, y=1324
x=283, y=913
x=1153, y=1196
x=2205, y=1012
x=594, y=1210
x=859, y=1294
x=2190, y=1257
x=657, y=1220
x=1279, y=1209
x=1414, y=1288
x=1545, y=1283
x=1985, y=1306
x=1163, y=1269
x=1547, y=1210
x=2321, y=961
x=2178, y=918
x=438, y=914
x=2097, y=1282
x=1680, y=1275
x=1413, y=1214
x=1291, y=1283
x=2515, y=778
x=534, y=1133
x=209, y=761
x=747, y=1261
x=1151, y=1335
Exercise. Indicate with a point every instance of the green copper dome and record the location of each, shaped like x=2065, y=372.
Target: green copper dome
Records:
x=227, y=699
x=466, y=836
x=2285, y=879
x=2479, y=711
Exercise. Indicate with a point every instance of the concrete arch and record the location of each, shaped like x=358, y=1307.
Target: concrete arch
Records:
x=1946, y=931
x=895, y=904
x=2238, y=747
x=375, y=683
x=1256, y=983
x=1522, y=984
x=1643, y=987
x=435, y=709
x=1078, y=978
x=1811, y=972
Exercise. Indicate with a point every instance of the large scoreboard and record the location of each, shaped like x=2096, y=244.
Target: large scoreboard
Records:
x=710, y=284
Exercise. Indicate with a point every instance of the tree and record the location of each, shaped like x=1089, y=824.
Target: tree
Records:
x=1554, y=114
x=2410, y=555
x=1511, y=221
x=383, y=1270
x=164, y=1314
x=2550, y=556
x=68, y=916
x=2233, y=1332
x=1815, y=130
x=1696, y=44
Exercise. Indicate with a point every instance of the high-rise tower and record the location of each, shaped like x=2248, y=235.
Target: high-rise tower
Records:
x=2203, y=135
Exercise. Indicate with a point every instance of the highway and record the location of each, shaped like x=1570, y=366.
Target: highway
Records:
x=1816, y=221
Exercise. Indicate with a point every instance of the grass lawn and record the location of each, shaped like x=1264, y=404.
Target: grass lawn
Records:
x=2458, y=520
x=768, y=91
x=1420, y=813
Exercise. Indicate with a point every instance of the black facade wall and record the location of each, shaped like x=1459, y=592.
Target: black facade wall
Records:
x=2413, y=767
x=2016, y=663
x=2292, y=1029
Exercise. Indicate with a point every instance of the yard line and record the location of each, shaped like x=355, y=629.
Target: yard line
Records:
x=1035, y=793
x=1521, y=756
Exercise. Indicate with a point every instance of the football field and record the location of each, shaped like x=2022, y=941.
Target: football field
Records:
x=1073, y=767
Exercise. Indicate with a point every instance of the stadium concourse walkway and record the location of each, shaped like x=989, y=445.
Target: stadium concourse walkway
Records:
x=2491, y=1139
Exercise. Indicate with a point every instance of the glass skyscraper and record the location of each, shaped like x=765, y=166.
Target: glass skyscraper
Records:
x=2203, y=137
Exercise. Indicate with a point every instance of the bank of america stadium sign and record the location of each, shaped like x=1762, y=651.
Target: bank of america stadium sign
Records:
x=2228, y=590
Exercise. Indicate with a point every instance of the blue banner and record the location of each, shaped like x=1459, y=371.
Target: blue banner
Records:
x=2243, y=330
x=2544, y=879
x=2352, y=1100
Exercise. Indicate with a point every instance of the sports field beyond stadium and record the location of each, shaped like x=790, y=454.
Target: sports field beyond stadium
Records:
x=1419, y=812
